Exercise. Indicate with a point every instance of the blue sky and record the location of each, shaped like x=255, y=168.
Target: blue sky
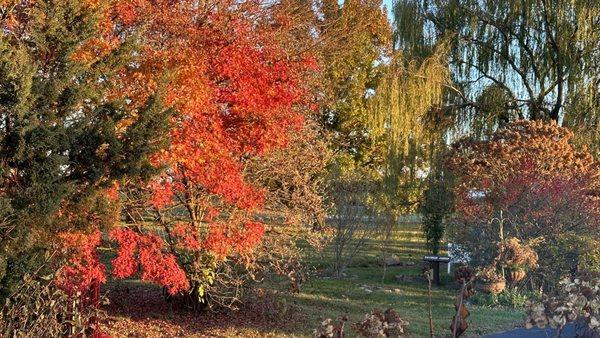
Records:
x=388, y=4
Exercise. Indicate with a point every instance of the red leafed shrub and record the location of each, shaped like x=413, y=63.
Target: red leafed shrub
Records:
x=186, y=237
x=155, y=264
x=237, y=93
x=83, y=268
x=224, y=242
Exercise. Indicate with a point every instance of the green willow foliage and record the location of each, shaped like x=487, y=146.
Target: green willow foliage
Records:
x=535, y=59
x=60, y=147
x=401, y=114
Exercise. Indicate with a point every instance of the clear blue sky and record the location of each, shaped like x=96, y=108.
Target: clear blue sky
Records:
x=388, y=4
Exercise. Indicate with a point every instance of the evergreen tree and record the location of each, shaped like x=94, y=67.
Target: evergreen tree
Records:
x=67, y=133
x=438, y=202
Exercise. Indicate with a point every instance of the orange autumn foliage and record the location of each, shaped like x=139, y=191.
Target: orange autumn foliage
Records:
x=147, y=251
x=530, y=178
x=523, y=153
x=83, y=267
x=237, y=93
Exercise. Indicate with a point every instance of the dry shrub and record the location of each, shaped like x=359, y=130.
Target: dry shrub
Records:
x=576, y=300
x=489, y=274
x=40, y=309
x=353, y=219
x=379, y=324
x=272, y=306
x=514, y=254
x=464, y=274
x=330, y=329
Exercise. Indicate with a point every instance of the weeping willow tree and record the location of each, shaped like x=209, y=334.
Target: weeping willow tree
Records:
x=404, y=113
x=535, y=59
x=585, y=113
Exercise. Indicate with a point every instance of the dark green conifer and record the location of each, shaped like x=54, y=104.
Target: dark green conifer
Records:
x=60, y=147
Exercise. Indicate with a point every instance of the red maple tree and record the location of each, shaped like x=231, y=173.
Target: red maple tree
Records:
x=238, y=93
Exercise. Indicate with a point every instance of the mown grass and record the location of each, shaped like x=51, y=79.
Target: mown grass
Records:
x=326, y=297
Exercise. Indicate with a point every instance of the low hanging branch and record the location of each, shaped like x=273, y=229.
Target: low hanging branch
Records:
x=408, y=93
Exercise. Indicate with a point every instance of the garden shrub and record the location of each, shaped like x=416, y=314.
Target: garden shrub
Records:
x=69, y=134
x=330, y=329
x=376, y=324
x=530, y=182
x=41, y=309
x=575, y=300
x=381, y=324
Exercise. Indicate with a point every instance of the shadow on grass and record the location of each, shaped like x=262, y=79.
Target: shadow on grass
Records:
x=332, y=298
x=138, y=309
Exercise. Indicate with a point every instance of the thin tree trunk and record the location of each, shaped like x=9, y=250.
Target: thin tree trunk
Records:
x=429, y=304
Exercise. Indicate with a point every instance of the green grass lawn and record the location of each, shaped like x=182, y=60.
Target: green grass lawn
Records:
x=321, y=297
x=325, y=297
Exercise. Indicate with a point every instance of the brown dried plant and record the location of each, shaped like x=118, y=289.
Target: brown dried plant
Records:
x=512, y=253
